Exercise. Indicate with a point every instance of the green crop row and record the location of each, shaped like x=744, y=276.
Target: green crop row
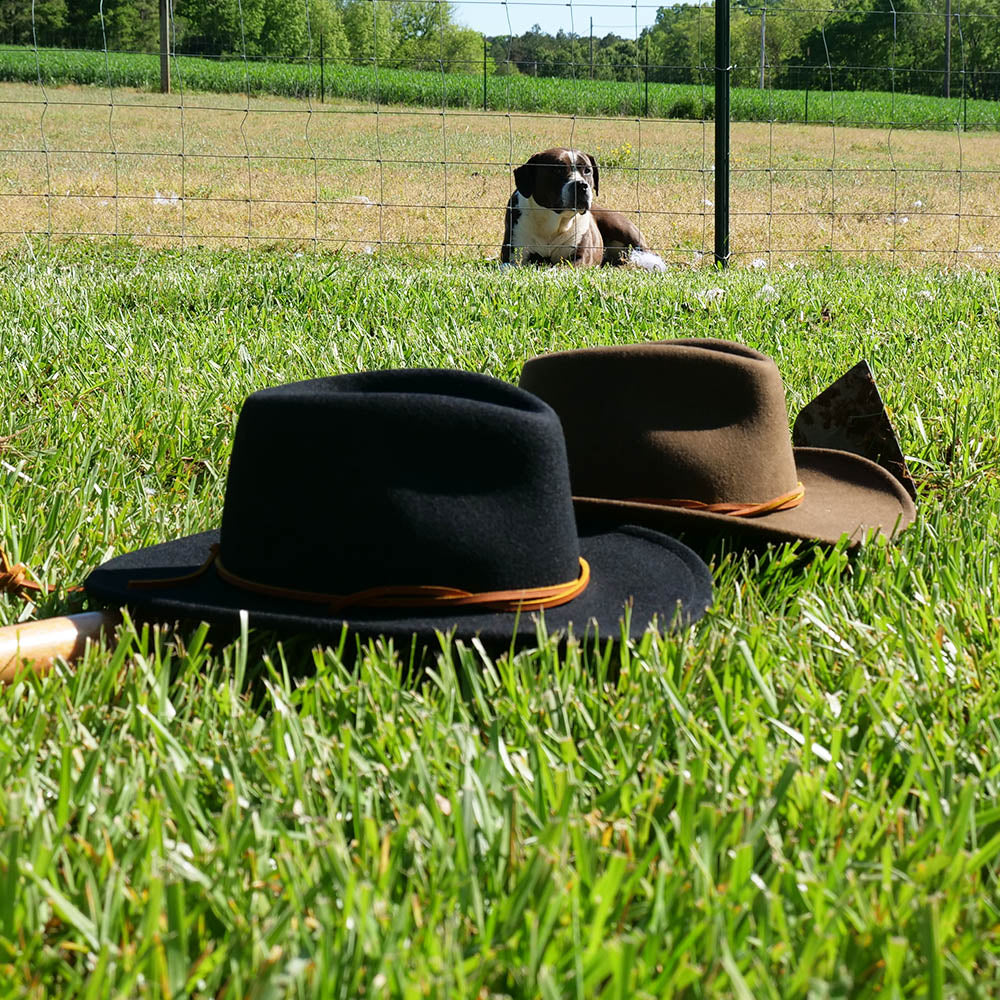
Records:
x=427, y=88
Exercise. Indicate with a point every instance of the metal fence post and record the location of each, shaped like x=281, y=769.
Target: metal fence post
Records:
x=723, y=70
x=322, y=71
x=484, y=72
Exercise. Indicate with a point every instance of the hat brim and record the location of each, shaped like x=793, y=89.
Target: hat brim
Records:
x=662, y=580
x=845, y=494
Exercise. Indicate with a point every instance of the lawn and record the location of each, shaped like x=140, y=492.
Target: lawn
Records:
x=797, y=797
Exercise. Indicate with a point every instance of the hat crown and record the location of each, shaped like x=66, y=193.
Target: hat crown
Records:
x=406, y=477
x=702, y=420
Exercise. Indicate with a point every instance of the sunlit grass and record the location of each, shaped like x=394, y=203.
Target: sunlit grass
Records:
x=798, y=797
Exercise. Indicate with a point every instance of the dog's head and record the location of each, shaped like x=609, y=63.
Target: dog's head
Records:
x=564, y=180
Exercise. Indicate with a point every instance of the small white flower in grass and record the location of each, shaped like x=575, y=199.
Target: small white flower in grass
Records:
x=925, y=293
x=709, y=203
x=904, y=220
x=166, y=199
x=714, y=295
x=758, y=881
x=918, y=204
x=697, y=257
x=833, y=703
x=296, y=966
x=379, y=981
x=768, y=293
x=367, y=248
x=181, y=847
x=758, y=263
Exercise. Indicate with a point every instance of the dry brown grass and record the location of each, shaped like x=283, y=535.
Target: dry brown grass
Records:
x=343, y=176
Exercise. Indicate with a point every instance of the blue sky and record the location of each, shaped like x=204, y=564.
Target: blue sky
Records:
x=617, y=16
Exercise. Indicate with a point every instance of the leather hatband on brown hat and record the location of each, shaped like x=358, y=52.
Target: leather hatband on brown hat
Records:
x=690, y=433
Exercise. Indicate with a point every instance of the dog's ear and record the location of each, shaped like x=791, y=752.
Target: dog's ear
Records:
x=597, y=174
x=524, y=177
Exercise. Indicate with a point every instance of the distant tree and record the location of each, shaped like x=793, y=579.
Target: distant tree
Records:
x=220, y=26
x=428, y=37
x=975, y=50
x=529, y=50
x=500, y=52
x=681, y=43
x=618, y=59
x=126, y=25
x=370, y=30
x=854, y=48
x=786, y=23
x=50, y=19
x=283, y=33
x=976, y=38
x=326, y=22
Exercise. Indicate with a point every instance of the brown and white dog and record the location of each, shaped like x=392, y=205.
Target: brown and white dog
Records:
x=550, y=217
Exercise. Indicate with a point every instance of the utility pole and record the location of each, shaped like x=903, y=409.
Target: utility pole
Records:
x=164, y=47
x=947, y=48
x=763, y=16
x=591, y=48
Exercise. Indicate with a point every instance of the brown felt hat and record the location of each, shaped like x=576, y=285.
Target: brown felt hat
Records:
x=665, y=434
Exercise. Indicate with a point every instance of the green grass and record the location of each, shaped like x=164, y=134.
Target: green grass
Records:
x=796, y=798
x=427, y=88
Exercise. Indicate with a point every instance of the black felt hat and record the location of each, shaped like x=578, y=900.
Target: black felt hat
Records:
x=402, y=503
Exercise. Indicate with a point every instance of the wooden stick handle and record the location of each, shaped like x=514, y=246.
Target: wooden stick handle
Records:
x=39, y=643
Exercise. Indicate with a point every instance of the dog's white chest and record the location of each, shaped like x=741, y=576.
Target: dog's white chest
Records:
x=542, y=232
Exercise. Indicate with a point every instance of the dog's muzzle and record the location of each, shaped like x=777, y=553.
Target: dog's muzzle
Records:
x=578, y=195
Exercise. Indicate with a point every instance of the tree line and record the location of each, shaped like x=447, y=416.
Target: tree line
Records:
x=847, y=45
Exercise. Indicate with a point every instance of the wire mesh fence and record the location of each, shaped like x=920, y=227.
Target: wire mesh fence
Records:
x=851, y=130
